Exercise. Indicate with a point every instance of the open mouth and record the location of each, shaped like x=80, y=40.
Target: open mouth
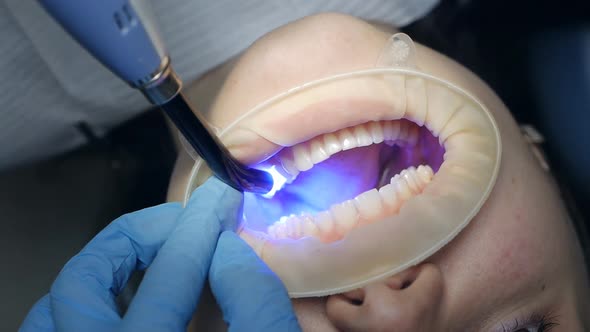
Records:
x=346, y=179
x=385, y=167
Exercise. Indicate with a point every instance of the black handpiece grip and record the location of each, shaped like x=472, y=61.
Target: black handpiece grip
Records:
x=213, y=152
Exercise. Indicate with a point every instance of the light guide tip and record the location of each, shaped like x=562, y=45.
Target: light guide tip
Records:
x=278, y=181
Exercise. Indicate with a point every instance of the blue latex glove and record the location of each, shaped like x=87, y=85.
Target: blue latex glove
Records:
x=250, y=295
x=177, y=247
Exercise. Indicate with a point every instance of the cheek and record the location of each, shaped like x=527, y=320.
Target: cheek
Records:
x=534, y=238
x=491, y=255
x=491, y=262
x=515, y=246
x=519, y=238
x=515, y=254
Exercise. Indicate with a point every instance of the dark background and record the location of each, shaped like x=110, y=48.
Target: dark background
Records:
x=534, y=54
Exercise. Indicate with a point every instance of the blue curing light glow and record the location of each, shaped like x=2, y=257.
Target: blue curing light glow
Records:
x=278, y=181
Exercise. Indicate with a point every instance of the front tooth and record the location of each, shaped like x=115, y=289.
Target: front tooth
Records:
x=404, y=186
x=408, y=176
x=347, y=139
x=325, y=225
x=296, y=227
x=390, y=130
x=376, y=132
x=417, y=179
x=302, y=158
x=318, y=154
x=411, y=181
x=389, y=197
x=287, y=162
x=332, y=144
x=425, y=173
x=272, y=231
x=369, y=204
x=401, y=188
x=289, y=178
x=289, y=231
x=309, y=228
x=280, y=228
x=275, y=233
x=345, y=216
x=362, y=136
x=394, y=179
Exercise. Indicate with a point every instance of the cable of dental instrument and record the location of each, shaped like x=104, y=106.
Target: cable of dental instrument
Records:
x=122, y=34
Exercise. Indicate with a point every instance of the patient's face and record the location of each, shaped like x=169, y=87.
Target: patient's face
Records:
x=515, y=267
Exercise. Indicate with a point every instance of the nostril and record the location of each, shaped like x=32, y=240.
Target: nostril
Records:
x=356, y=302
x=355, y=297
x=403, y=279
x=406, y=284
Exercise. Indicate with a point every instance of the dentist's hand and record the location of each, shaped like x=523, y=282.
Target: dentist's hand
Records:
x=176, y=246
x=251, y=296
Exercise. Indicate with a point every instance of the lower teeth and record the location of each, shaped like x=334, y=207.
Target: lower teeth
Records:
x=330, y=227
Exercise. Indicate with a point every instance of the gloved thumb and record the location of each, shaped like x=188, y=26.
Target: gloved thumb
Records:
x=251, y=296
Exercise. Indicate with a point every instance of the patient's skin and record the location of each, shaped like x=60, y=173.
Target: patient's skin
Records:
x=518, y=258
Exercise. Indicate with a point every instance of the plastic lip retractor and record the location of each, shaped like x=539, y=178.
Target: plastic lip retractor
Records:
x=424, y=223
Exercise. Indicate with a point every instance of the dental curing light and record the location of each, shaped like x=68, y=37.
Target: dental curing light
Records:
x=278, y=181
x=122, y=34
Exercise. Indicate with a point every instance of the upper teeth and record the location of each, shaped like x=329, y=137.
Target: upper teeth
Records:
x=303, y=156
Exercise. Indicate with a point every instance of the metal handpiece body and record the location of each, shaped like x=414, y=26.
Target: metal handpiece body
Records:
x=123, y=36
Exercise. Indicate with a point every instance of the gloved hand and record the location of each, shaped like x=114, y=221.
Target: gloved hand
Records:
x=176, y=246
x=250, y=295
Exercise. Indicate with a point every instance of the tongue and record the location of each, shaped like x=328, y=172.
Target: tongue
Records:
x=343, y=176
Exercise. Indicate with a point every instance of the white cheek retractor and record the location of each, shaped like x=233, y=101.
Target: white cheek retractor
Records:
x=423, y=221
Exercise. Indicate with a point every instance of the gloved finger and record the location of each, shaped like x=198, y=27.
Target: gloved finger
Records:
x=84, y=291
x=251, y=296
x=171, y=287
x=39, y=319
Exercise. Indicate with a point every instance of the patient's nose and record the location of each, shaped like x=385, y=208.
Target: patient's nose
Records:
x=408, y=301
